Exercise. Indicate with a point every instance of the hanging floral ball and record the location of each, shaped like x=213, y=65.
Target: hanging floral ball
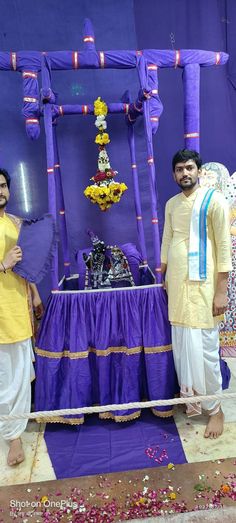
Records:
x=105, y=195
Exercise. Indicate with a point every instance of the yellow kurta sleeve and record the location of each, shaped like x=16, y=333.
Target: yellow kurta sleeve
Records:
x=220, y=221
x=167, y=234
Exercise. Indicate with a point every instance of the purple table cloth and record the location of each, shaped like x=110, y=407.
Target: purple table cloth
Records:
x=104, y=347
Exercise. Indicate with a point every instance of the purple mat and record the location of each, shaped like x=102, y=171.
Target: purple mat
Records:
x=100, y=447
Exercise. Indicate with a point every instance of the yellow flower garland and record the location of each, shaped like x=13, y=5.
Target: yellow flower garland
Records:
x=104, y=192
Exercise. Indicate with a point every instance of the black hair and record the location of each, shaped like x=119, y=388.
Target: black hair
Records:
x=186, y=154
x=7, y=177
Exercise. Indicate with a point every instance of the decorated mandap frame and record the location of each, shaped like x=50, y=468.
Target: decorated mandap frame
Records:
x=113, y=345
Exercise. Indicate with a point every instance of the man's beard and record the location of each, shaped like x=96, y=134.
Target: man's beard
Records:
x=3, y=204
x=186, y=187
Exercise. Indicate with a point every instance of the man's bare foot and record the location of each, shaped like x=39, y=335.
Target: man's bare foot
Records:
x=215, y=425
x=16, y=453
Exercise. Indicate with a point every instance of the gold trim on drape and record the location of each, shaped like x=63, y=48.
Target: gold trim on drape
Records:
x=162, y=413
x=61, y=419
x=110, y=415
x=104, y=416
x=106, y=352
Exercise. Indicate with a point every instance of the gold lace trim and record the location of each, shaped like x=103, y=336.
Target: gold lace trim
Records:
x=98, y=352
x=61, y=419
x=162, y=413
x=110, y=415
x=105, y=416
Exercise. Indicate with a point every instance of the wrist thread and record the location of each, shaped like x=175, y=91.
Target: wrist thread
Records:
x=4, y=268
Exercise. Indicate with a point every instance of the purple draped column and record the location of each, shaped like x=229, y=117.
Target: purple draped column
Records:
x=152, y=175
x=31, y=103
x=88, y=35
x=155, y=105
x=137, y=200
x=52, y=207
x=61, y=205
x=191, y=85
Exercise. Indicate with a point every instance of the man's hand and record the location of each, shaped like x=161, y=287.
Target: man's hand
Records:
x=163, y=268
x=163, y=272
x=38, y=310
x=36, y=302
x=220, y=303
x=12, y=257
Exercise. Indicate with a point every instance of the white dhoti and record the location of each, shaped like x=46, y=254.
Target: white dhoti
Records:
x=16, y=374
x=197, y=364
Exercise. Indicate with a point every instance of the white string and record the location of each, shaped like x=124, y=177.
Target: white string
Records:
x=122, y=406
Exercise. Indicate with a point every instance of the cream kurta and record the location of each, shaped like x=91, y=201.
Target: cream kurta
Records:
x=190, y=302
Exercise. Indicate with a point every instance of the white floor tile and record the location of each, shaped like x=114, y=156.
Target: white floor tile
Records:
x=42, y=469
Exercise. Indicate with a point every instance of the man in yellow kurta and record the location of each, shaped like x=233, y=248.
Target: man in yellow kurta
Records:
x=196, y=302
x=16, y=368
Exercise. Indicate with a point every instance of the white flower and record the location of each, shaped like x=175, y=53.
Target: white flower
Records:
x=101, y=122
x=146, y=478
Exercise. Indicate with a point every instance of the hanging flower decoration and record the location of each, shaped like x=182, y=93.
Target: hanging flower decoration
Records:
x=104, y=191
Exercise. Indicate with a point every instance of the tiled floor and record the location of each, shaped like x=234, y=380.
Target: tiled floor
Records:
x=38, y=467
x=191, y=430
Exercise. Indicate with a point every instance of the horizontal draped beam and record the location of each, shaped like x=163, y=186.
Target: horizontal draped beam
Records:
x=122, y=59
x=61, y=110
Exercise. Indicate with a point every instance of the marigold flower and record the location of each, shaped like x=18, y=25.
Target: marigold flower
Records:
x=100, y=107
x=102, y=138
x=225, y=488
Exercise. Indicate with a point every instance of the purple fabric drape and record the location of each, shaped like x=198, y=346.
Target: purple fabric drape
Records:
x=30, y=109
x=117, y=448
x=143, y=76
x=118, y=59
x=114, y=108
x=34, y=62
x=155, y=104
x=61, y=206
x=137, y=199
x=191, y=86
x=105, y=347
x=46, y=94
x=37, y=240
x=88, y=35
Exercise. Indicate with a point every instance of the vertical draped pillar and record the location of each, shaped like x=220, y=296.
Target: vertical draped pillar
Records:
x=61, y=207
x=47, y=110
x=143, y=75
x=31, y=103
x=137, y=199
x=191, y=86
